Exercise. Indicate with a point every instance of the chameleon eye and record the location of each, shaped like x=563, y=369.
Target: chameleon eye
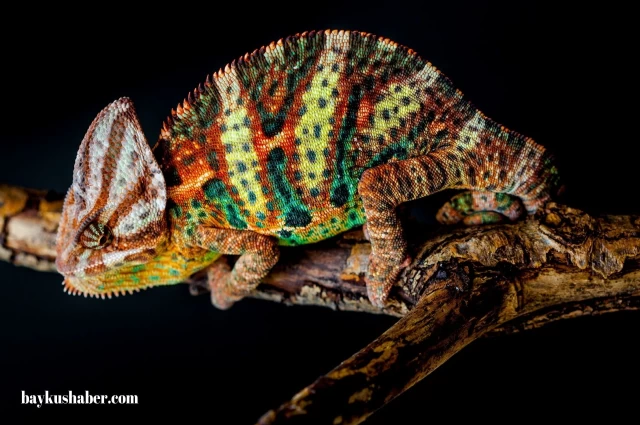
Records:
x=96, y=235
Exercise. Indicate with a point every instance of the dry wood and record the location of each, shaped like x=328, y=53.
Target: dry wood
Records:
x=464, y=283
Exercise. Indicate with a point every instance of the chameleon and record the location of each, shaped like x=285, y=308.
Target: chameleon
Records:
x=293, y=143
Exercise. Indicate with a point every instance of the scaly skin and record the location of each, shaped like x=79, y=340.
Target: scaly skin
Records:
x=289, y=145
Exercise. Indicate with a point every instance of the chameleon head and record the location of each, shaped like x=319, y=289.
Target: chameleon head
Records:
x=113, y=218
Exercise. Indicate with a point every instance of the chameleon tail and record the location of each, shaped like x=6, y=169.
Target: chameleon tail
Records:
x=479, y=207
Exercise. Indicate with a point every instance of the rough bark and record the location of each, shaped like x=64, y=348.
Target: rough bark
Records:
x=463, y=283
x=467, y=283
x=28, y=224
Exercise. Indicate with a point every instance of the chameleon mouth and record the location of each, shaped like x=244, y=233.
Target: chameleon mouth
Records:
x=79, y=270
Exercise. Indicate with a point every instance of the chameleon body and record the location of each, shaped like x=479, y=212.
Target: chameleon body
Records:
x=294, y=143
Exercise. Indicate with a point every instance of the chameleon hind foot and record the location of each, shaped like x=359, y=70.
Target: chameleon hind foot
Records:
x=479, y=207
x=383, y=189
x=378, y=289
x=381, y=276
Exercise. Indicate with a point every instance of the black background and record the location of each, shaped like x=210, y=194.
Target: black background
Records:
x=561, y=75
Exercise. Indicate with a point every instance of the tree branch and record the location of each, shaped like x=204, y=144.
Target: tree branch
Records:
x=464, y=283
x=468, y=283
x=28, y=224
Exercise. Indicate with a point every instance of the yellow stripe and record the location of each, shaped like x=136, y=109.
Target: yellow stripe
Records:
x=386, y=115
x=313, y=132
x=242, y=161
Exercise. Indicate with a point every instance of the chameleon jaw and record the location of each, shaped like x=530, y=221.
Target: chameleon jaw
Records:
x=97, y=279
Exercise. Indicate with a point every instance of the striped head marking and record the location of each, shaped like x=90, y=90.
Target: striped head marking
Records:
x=113, y=216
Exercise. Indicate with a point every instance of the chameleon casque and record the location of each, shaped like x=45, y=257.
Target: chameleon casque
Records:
x=294, y=143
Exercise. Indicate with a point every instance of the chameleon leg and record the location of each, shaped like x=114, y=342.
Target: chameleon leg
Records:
x=258, y=254
x=382, y=189
x=478, y=207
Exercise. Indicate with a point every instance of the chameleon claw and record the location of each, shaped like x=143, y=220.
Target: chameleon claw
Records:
x=197, y=288
x=377, y=293
x=365, y=231
x=220, y=301
x=381, y=278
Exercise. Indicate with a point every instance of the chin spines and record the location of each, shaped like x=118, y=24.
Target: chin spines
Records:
x=67, y=288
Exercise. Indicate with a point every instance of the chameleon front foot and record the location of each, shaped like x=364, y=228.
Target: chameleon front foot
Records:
x=223, y=292
x=258, y=254
x=216, y=285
